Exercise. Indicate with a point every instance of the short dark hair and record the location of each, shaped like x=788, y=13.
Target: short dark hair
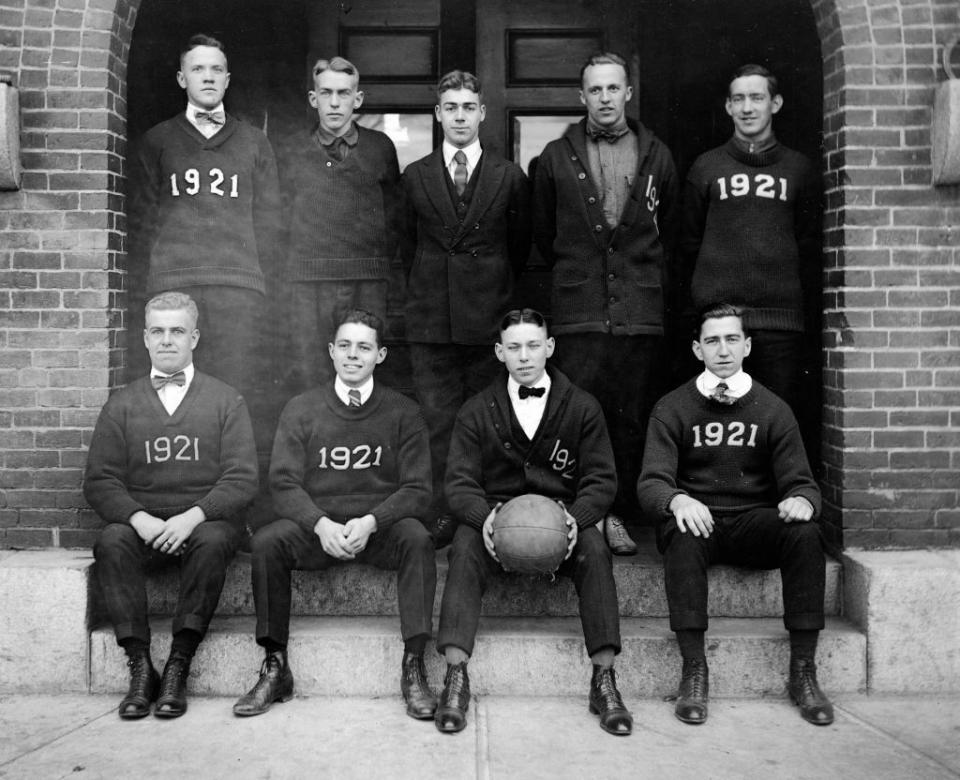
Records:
x=200, y=39
x=753, y=69
x=716, y=311
x=605, y=58
x=361, y=317
x=338, y=64
x=458, y=79
x=524, y=317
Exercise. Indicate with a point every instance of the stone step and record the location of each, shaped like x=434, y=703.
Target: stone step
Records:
x=358, y=589
x=360, y=656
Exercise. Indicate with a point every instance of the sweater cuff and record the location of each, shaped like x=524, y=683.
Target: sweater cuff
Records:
x=584, y=514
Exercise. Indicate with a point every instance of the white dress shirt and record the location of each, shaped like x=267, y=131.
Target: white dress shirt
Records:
x=738, y=385
x=207, y=129
x=472, y=152
x=170, y=394
x=343, y=390
x=529, y=410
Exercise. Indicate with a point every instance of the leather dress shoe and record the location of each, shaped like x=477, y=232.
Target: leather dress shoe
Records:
x=618, y=540
x=144, y=682
x=606, y=702
x=275, y=684
x=172, y=700
x=451, y=714
x=815, y=707
x=694, y=690
x=421, y=700
x=445, y=526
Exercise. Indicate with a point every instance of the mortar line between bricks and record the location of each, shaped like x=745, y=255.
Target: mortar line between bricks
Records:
x=57, y=738
x=934, y=762
x=483, y=742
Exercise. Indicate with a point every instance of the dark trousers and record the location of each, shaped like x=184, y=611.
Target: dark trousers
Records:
x=776, y=362
x=123, y=560
x=758, y=539
x=283, y=545
x=446, y=375
x=619, y=372
x=471, y=568
x=315, y=310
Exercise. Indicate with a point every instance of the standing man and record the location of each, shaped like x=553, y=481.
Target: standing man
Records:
x=603, y=202
x=343, y=190
x=468, y=237
x=750, y=232
x=209, y=212
x=350, y=477
x=726, y=474
x=530, y=431
x=171, y=464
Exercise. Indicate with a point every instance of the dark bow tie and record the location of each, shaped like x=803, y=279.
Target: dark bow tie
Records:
x=536, y=392
x=174, y=379
x=602, y=134
x=211, y=117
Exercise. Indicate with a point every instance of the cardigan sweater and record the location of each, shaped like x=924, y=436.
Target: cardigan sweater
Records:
x=750, y=232
x=605, y=279
x=338, y=461
x=142, y=458
x=569, y=458
x=732, y=458
x=345, y=215
x=208, y=209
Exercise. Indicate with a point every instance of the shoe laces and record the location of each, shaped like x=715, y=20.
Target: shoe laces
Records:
x=806, y=677
x=139, y=666
x=607, y=687
x=414, y=670
x=694, y=674
x=273, y=662
x=181, y=668
x=456, y=681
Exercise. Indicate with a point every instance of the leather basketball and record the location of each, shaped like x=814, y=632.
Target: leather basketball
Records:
x=530, y=535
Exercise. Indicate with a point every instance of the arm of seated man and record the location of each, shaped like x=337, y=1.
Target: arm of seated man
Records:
x=795, y=509
x=691, y=515
x=333, y=539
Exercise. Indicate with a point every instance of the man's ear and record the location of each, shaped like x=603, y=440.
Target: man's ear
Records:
x=747, y=345
x=381, y=355
x=697, y=350
x=498, y=351
x=776, y=103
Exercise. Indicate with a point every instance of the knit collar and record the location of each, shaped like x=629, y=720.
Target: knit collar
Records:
x=768, y=155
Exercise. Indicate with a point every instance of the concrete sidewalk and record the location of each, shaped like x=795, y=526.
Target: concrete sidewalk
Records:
x=80, y=736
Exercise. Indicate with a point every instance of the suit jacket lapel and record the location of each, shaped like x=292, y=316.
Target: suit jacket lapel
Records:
x=435, y=185
x=490, y=177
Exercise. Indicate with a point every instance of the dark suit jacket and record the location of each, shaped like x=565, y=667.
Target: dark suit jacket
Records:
x=460, y=276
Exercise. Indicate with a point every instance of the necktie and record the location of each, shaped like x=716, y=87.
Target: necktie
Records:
x=354, y=396
x=174, y=379
x=210, y=117
x=460, y=172
x=526, y=392
x=720, y=394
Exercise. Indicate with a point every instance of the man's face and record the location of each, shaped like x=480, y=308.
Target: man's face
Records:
x=336, y=97
x=750, y=106
x=460, y=114
x=524, y=349
x=722, y=346
x=203, y=74
x=355, y=353
x=170, y=337
x=605, y=93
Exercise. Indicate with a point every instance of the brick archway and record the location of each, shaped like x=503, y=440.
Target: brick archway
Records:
x=892, y=298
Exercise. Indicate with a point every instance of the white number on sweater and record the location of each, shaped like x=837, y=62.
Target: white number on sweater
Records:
x=343, y=458
x=162, y=449
x=191, y=178
x=713, y=435
x=766, y=186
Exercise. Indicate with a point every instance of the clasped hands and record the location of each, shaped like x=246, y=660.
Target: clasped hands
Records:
x=167, y=536
x=344, y=541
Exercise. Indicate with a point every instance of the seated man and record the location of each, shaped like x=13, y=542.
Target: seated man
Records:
x=725, y=471
x=350, y=478
x=172, y=463
x=530, y=431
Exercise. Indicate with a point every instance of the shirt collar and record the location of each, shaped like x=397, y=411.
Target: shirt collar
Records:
x=350, y=137
x=343, y=391
x=513, y=388
x=472, y=151
x=737, y=385
x=188, y=372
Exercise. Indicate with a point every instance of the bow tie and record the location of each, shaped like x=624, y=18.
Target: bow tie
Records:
x=602, y=134
x=720, y=394
x=526, y=392
x=179, y=379
x=211, y=117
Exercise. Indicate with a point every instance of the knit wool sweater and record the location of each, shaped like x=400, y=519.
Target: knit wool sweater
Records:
x=732, y=458
x=142, y=458
x=346, y=215
x=208, y=209
x=338, y=461
x=749, y=232
x=569, y=458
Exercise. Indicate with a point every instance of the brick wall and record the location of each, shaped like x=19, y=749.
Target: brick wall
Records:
x=892, y=296
x=61, y=276
x=892, y=287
